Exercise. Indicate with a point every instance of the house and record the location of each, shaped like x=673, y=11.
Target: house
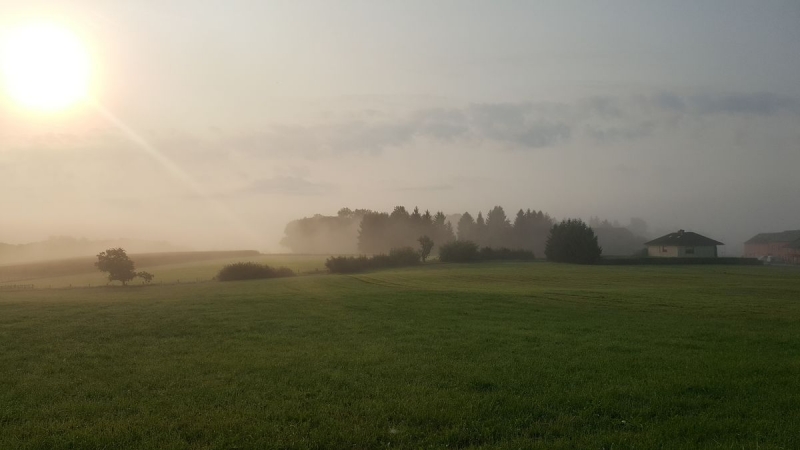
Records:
x=794, y=254
x=782, y=247
x=682, y=244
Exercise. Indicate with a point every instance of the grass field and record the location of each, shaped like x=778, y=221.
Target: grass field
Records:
x=167, y=267
x=506, y=355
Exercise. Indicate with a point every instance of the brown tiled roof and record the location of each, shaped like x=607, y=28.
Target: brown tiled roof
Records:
x=683, y=239
x=772, y=238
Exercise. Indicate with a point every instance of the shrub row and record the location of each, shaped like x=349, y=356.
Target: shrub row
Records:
x=397, y=257
x=468, y=251
x=251, y=271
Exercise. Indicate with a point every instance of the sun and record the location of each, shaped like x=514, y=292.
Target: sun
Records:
x=44, y=67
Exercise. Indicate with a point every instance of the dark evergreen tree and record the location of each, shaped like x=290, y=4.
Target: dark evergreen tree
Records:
x=520, y=230
x=498, y=229
x=415, y=216
x=400, y=214
x=441, y=230
x=536, y=229
x=466, y=227
x=373, y=232
x=480, y=230
x=427, y=219
x=572, y=241
x=439, y=219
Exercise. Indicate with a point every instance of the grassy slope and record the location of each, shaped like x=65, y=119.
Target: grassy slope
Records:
x=501, y=355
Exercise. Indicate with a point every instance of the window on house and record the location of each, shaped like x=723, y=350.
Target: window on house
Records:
x=690, y=251
x=663, y=249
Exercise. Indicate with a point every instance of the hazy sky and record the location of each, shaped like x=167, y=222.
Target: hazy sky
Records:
x=216, y=122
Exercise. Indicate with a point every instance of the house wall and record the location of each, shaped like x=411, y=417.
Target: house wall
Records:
x=778, y=250
x=680, y=252
x=656, y=251
x=794, y=256
x=698, y=252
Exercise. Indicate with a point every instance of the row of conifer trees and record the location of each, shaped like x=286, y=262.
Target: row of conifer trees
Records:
x=380, y=232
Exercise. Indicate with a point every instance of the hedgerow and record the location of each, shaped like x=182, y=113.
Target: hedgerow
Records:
x=397, y=257
x=252, y=271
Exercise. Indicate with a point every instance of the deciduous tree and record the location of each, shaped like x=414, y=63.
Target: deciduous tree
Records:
x=116, y=262
x=426, y=245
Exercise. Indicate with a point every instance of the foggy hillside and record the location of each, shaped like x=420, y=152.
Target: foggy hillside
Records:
x=61, y=247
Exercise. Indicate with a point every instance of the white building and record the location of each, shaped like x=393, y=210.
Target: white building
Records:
x=682, y=244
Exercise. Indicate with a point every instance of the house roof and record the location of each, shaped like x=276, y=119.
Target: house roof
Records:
x=683, y=239
x=771, y=238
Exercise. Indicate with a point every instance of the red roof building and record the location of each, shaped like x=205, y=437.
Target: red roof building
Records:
x=781, y=247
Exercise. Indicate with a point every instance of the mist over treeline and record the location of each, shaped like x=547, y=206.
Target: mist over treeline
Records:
x=380, y=232
x=325, y=234
x=366, y=231
x=616, y=239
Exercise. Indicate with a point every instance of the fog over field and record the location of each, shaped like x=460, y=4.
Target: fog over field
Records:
x=212, y=127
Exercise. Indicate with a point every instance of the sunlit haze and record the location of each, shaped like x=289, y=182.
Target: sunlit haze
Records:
x=44, y=66
x=213, y=124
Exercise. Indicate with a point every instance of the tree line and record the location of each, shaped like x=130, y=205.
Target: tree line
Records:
x=363, y=231
x=325, y=234
x=529, y=230
x=373, y=232
x=381, y=232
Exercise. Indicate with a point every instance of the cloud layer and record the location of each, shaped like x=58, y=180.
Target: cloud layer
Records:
x=519, y=126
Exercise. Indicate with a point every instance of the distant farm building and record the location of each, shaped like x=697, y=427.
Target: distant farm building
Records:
x=782, y=247
x=682, y=244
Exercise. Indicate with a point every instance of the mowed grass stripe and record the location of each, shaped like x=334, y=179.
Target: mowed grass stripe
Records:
x=495, y=356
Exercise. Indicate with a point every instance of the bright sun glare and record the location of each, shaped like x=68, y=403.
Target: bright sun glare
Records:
x=44, y=66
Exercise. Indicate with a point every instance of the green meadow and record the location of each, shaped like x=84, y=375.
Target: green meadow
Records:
x=502, y=355
x=189, y=267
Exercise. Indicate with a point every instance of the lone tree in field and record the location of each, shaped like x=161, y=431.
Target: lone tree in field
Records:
x=119, y=267
x=572, y=241
x=425, y=247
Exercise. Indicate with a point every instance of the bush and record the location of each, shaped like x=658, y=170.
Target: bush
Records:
x=146, y=276
x=397, y=257
x=459, y=251
x=347, y=264
x=404, y=256
x=251, y=271
x=572, y=241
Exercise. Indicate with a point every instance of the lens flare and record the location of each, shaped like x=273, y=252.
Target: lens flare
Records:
x=44, y=66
